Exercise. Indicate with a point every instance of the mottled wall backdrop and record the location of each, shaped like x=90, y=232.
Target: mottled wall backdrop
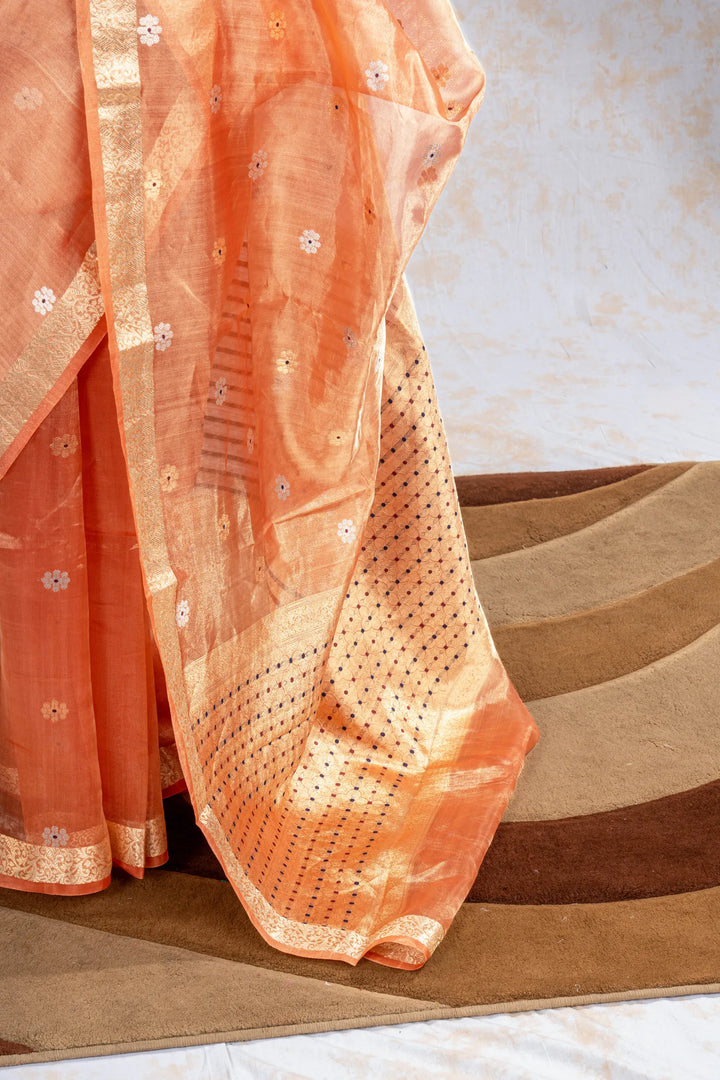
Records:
x=567, y=283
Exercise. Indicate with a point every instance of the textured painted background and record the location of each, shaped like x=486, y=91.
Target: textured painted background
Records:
x=567, y=282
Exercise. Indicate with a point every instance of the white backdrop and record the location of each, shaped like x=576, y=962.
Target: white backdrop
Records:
x=567, y=282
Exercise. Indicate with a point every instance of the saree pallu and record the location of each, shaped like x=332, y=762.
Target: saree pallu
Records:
x=231, y=550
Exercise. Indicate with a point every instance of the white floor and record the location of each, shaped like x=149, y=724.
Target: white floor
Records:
x=567, y=287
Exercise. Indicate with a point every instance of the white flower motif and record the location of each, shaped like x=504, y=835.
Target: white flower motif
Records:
x=149, y=30
x=221, y=389
x=377, y=75
x=43, y=300
x=219, y=251
x=169, y=478
x=258, y=165
x=153, y=183
x=349, y=338
x=286, y=361
x=55, y=837
x=277, y=25
x=346, y=530
x=163, y=336
x=182, y=613
x=56, y=580
x=310, y=241
x=28, y=98
x=215, y=98
x=282, y=487
x=431, y=155
x=64, y=445
x=54, y=710
x=251, y=441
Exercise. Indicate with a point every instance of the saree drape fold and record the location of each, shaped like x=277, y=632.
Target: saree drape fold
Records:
x=231, y=547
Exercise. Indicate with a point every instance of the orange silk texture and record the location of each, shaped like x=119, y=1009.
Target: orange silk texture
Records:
x=231, y=547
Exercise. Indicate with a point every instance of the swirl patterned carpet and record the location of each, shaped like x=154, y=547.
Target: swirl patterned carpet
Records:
x=602, y=590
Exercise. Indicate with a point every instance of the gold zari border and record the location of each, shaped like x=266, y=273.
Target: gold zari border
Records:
x=54, y=865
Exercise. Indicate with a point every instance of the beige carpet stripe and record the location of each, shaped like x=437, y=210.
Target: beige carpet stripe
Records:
x=664, y=534
x=644, y=736
x=69, y=986
x=493, y=954
x=556, y=656
x=511, y=526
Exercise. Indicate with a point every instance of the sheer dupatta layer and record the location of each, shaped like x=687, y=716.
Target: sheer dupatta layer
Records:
x=347, y=732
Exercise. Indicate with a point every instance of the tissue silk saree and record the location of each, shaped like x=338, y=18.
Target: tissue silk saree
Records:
x=231, y=552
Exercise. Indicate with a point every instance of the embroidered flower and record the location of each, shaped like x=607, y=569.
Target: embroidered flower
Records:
x=153, y=183
x=257, y=165
x=349, y=338
x=286, y=361
x=440, y=73
x=54, y=710
x=277, y=25
x=221, y=389
x=182, y=613
x=310, y=241
x=163, y=336
x=149, y=30
x=377, y=75
x=169, y=477
x=337, y=438
x=346, y=530
x=219, y=251
x=223, y=526
x=431, y=155
x=27, y=99
x=282, y=487
x=64, y=445
x=429, y=175
x=56, y=580
x=43, y=300
x=215, y=98
x=251, y=441
x=54, y=837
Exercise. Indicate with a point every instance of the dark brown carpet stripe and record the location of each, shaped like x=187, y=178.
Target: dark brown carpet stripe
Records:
x=484, y=490
x=656, y=848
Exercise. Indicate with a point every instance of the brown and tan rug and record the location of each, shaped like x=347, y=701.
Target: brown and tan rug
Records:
x=602, y=589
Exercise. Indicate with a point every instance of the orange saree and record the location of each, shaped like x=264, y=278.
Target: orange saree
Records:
x=231, y=550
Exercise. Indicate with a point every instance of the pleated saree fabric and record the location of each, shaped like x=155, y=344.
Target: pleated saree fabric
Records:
x=232, y=555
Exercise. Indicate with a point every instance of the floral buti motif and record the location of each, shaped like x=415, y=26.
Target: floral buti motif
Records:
x=221, y=391
x=286, y=361
x=349, y=338
x=149, y=30
x=182, y=613
x=377, y=75
x=216, y=98
x=346, y=530
x=432, y=154
x=28, y=99
x=277, y=25
x=219, y=251
x=64, y=445
x=257, y=165
x=282, y=487
x=163, y=336
x=55, y=837
x=43, y=300
x=54, y=710
x=168, y=477
x=310, y=241
x=55, y=580
x=153, y=183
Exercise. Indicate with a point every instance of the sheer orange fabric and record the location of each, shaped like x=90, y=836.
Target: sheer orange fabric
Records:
x=225, y=478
